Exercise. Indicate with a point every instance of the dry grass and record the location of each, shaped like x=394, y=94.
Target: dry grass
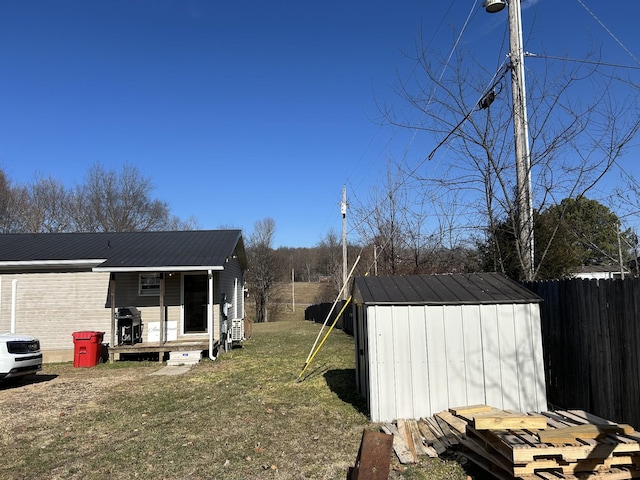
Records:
x=290, y=302
x=242, y=417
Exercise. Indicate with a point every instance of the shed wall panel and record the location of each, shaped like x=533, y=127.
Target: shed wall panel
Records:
x=455, y=356
x=472, y=318
x=530, y=367
x=425, y=359
x=510, y=383
x=404, y=357
x=535, y=333
x=373, y=390
x=490, y=331
x=524, y=355
x=420, y=397
x=436, y=358
x=382, y=378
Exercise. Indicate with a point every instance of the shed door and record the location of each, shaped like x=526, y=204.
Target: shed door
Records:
x=195, y=303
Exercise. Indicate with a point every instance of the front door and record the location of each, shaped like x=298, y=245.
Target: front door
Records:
x=195, y=303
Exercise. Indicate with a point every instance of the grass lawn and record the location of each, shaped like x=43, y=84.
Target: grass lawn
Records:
x=244, y=416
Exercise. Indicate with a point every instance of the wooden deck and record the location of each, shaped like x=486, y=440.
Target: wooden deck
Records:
x=161, y=349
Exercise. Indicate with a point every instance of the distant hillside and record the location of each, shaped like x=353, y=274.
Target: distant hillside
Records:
x=304, y=293
x=282, y=305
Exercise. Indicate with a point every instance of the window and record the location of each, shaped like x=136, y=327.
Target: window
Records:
x=149, y=284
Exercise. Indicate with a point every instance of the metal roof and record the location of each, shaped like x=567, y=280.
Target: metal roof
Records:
x=122, y=251
x=448, y=289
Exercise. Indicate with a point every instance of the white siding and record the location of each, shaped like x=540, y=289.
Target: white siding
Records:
x=473, y=354
x=381, y=380
x=509, y=386
x=425, y=359
x=418, y=363
x=436, y=359
x=492, y=357
x=531, y=365
x=455, y=358
x=402, y=360
x=52, y=306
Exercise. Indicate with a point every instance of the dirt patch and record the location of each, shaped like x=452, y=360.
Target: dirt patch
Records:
x=56, y=393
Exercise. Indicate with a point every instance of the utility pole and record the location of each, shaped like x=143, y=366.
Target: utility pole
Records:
x=619, y=234
x=375, y=260
x=343, y=210
x=525, y=234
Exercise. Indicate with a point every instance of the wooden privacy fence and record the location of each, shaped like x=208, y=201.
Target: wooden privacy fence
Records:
x=591, y=342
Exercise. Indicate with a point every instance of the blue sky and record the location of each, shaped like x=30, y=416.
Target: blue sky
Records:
x=244, y=110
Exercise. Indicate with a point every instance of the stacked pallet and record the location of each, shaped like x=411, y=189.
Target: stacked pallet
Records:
x=569, y=444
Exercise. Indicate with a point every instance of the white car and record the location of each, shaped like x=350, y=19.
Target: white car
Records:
x=19, y=355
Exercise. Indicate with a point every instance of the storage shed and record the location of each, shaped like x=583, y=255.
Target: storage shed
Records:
x=425, y=343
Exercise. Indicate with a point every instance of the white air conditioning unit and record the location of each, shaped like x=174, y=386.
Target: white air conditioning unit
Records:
x=237, y=330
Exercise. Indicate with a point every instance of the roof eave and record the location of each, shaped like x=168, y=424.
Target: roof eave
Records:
x=369, y=303
x=160, y=268
x=31, y=264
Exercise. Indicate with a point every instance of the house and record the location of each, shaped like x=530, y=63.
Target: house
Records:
x=599, y=272
x=426, y=343
x=189, y=282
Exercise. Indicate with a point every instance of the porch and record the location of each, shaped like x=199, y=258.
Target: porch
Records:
x=161, y=349
x=192, y=292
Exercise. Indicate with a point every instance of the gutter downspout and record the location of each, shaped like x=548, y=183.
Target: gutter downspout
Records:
x=14, y=301
x=212, y=357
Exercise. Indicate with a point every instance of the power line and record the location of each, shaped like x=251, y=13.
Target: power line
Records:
x=609, y=32
x=484, y=102
x=578, y=60
x=428, y=103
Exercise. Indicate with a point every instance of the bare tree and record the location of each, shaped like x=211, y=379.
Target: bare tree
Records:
x=263, y=272
x=11, y=199
x=176, y=223
x=301, y=260
x=108, y=200
x=574, y=139
x=330, y=265
x=380, y=222
x=410, y=228
x=111, y=201
x=45, y=207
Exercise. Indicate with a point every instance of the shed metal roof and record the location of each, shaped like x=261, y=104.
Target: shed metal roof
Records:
x=122, y=251
x=448, y=289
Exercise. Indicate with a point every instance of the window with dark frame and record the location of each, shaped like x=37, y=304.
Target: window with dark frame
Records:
x=149, y=284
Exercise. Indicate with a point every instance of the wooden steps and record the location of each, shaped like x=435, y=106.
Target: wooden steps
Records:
x=562, y=444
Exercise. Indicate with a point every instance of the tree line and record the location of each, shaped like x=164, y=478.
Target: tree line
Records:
x=573, y=234
x=106, y=200
x=392, y=235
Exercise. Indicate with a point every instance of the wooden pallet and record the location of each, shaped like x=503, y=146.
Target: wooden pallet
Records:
x=508, y=444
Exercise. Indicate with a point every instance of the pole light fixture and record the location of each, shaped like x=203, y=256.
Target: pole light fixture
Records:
x=494, y=6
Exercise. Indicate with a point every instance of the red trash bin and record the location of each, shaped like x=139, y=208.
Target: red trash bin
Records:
x=87, y=348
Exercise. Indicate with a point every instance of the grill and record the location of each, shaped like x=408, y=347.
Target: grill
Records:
x=129, y=321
